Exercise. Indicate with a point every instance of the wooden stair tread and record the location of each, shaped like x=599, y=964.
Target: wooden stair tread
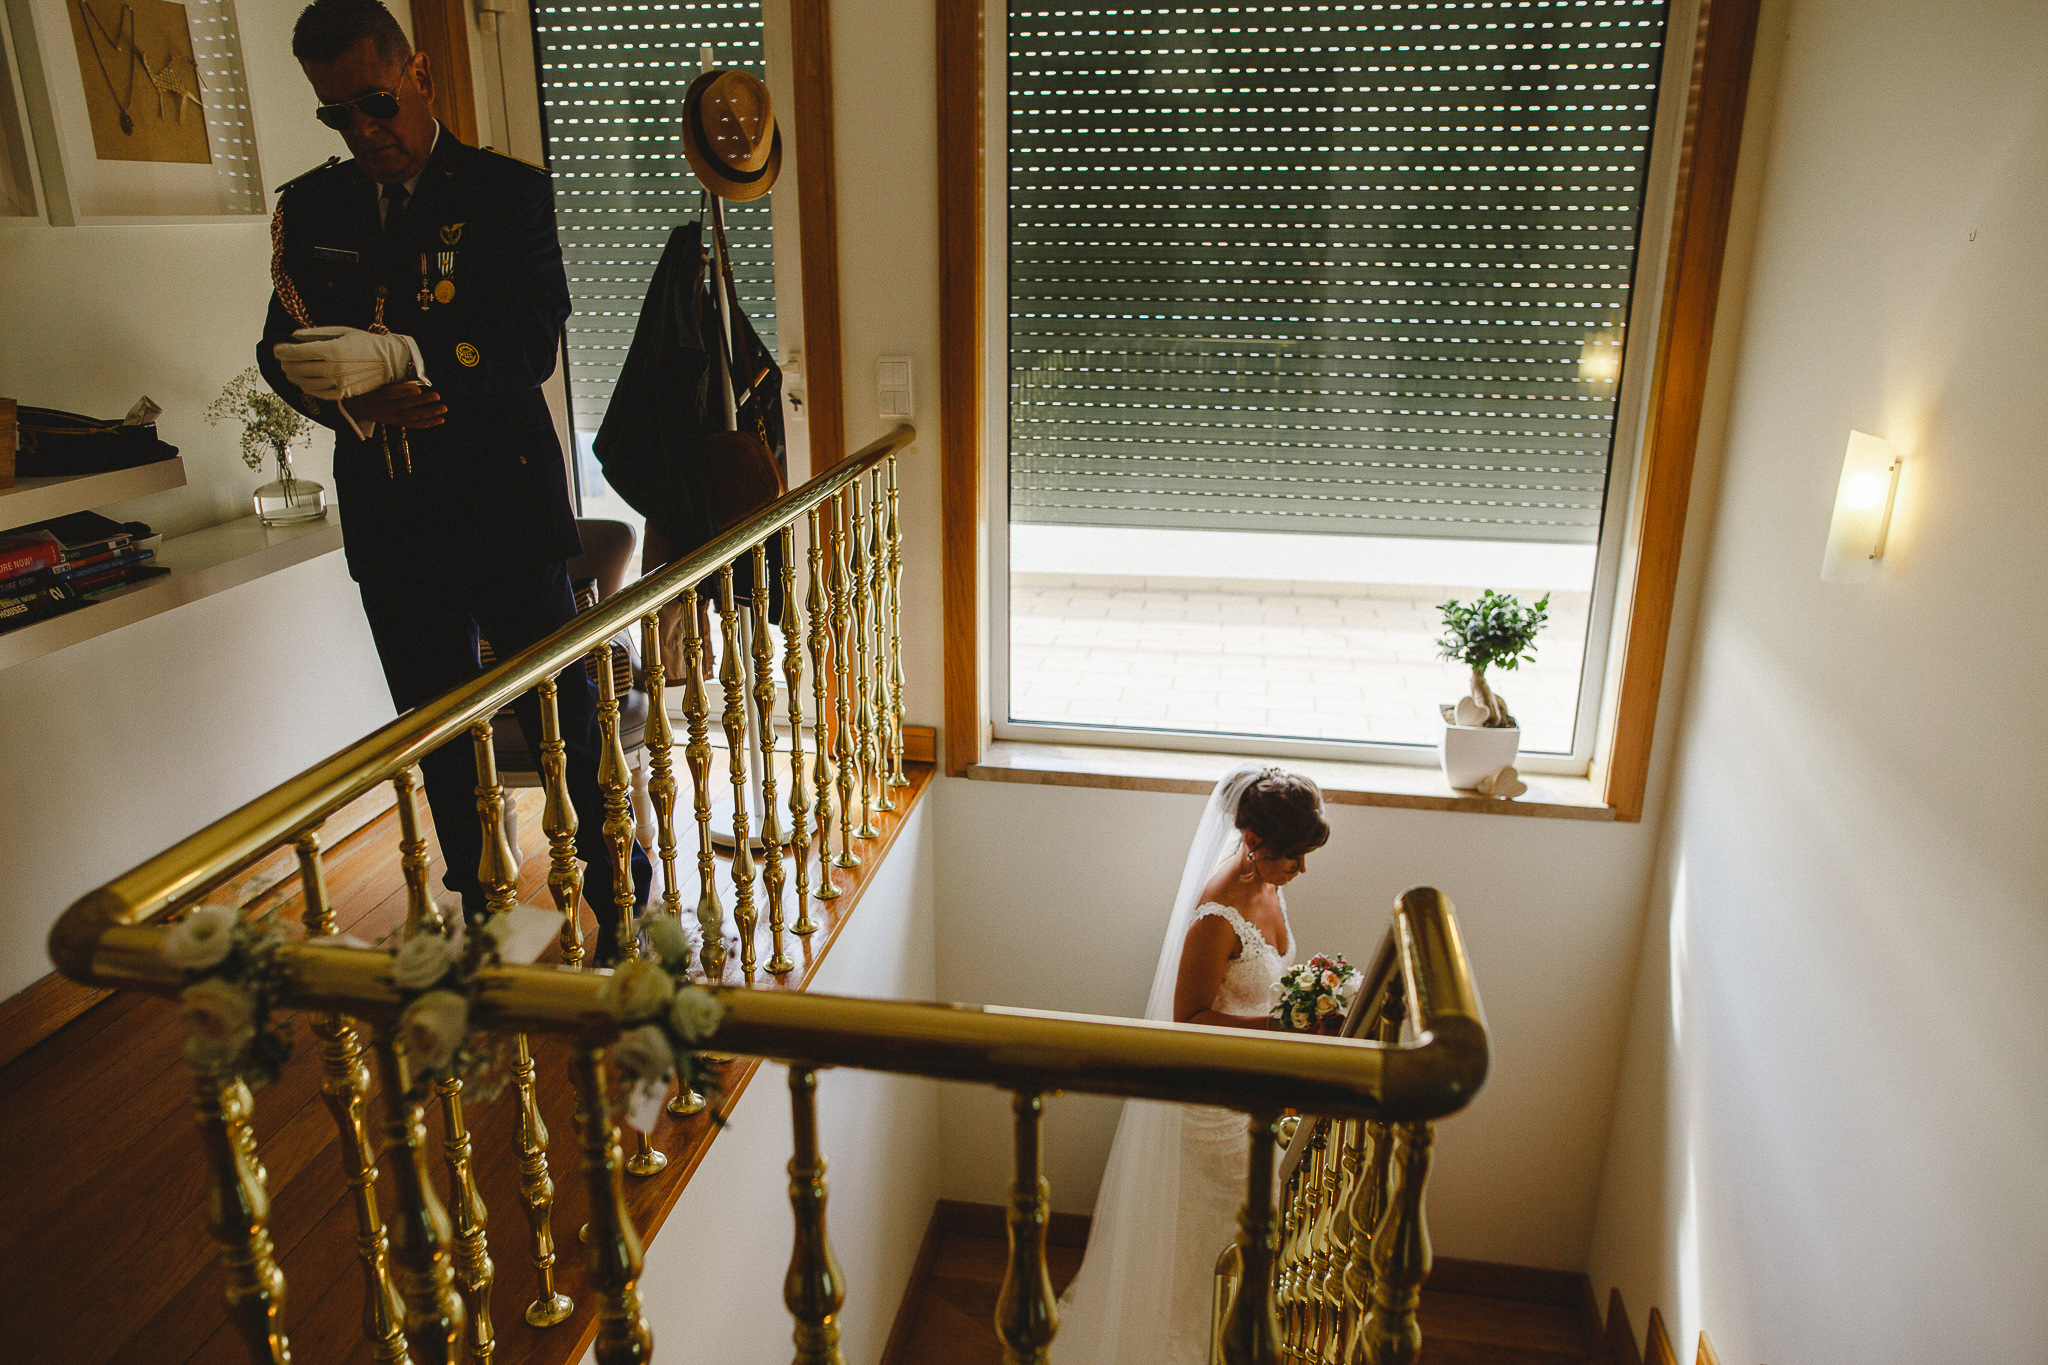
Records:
x=953, y=1320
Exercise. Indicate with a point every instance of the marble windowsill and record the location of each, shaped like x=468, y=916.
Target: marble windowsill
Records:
x=1344, y=784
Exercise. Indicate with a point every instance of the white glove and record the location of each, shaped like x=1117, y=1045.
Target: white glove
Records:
x=339, y=362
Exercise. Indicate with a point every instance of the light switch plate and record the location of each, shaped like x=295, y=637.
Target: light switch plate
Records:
x=893, y=387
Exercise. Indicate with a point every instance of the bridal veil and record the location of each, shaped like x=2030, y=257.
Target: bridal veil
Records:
x=1120, y=1307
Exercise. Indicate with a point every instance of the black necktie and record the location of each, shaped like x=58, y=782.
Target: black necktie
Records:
x=394, y=206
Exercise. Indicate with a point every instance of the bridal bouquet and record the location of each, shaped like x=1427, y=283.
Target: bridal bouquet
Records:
x=1315, y=996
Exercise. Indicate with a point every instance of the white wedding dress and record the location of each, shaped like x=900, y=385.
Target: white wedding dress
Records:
x=1175, y=1181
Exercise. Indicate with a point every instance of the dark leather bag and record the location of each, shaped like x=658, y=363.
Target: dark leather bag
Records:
x=53, y=444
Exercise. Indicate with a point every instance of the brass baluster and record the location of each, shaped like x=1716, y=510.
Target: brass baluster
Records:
x=732, y=681
x=1251, y=1332
x=1027, y=1313
x=896, y=777
x=614, y=781
x=772, y=876
x=842, y=682
x=818, y=608
x=864, y=716
x=344, y=1083
x=799, y=785
x=472, y=1253
x=623, y=1337
x=434, y=1316
x=1400, y=1254
x=696, y=716
x=497, y=870
x=878, y=576
x=814, y=1290
x=537, y=1193
x=558, y=820
x=536, y=1186
x=1296, y=1217
x=661, y=743
x=1344, y=1236
x=1369, y=1201
x=238, y=1215
x=421, y=915
x=1324, y=1245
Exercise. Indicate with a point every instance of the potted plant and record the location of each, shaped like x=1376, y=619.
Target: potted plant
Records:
x=1494, y=630
x=270, y=427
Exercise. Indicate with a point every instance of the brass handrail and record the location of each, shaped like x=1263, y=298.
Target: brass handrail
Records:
x=194, y=865
x=1017, y=1049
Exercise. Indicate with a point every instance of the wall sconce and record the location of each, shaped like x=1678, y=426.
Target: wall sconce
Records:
x=1863, y=510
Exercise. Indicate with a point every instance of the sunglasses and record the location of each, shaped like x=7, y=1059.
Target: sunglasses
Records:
x=378, y=104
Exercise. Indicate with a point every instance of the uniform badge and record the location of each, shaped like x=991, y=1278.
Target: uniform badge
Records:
x=466, y=353
x=451, y=233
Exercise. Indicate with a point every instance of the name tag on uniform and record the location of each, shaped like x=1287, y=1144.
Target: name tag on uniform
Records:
x=334, y=253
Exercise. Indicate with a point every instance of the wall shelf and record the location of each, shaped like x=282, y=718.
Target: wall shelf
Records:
x=201, y=564
x=32, y=500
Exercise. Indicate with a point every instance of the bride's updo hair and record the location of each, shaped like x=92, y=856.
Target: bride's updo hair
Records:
x=1284, y=812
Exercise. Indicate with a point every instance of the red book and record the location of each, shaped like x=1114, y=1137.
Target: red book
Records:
x=27, y=553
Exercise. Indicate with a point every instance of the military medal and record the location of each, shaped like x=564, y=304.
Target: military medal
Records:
x=426, y=293
x=444, y=290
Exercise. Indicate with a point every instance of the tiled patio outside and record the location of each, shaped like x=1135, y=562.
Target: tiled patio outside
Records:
x=1263, y=657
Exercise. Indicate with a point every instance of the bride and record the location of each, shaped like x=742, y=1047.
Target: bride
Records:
x=1175, y=1181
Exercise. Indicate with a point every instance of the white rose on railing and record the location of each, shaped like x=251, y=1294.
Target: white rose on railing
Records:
x=218, y=1017
x=670, y=941
x=432, y=1027
x=642, y=1056
x=695, y=1014
x=422, y=960
x=201, y=939
x=637, y=990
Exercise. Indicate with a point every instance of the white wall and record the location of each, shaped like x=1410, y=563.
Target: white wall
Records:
x=115, y=748
x=1056, y=897
x=1828, y=1146
x=713, y=1278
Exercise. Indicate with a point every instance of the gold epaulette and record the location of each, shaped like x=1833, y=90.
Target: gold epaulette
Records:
x=521, y=160
x=330, y=161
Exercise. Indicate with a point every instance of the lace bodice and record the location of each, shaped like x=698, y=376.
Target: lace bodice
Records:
x=1252, y=979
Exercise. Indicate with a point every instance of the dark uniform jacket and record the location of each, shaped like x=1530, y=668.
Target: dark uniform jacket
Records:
x=668, y=398
x=488, y=485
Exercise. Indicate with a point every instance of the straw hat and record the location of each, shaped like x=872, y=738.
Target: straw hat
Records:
x=729, y=134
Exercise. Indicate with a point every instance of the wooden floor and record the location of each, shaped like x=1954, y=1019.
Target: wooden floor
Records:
x=1473, y=1313
x=106, y=1257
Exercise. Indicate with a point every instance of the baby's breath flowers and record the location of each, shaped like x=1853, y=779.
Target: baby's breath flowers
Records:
x=270, y=426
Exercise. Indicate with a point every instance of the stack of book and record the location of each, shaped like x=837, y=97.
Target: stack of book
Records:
x=56, y=566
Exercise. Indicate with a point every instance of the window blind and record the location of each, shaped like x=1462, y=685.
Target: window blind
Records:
x=1351, y=269
x=612, y=79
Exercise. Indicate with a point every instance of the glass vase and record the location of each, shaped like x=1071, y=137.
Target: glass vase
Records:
x=288, y=499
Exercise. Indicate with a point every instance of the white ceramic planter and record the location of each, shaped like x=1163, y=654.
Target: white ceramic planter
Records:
x=1471, y=752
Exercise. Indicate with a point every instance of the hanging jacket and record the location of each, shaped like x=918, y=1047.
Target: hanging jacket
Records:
x=651, y=444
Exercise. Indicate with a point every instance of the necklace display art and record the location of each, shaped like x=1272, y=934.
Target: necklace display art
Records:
x=147, y=47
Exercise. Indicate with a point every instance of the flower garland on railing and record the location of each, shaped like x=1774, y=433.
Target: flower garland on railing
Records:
x=663, y=1016
x=443, y=978
x=236, y=980
x=235, y=984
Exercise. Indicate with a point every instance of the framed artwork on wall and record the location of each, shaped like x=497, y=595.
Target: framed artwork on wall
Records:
x=138, y=110
x=19, y=201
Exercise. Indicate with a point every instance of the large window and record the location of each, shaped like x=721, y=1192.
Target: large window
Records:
x=612, y=78
x=1317, y=317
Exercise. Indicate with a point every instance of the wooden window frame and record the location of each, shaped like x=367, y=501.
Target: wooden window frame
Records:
x=441, y=30
x=1723, y=48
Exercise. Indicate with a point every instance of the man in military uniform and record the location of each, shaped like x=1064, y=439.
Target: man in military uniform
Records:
x=419, y=306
